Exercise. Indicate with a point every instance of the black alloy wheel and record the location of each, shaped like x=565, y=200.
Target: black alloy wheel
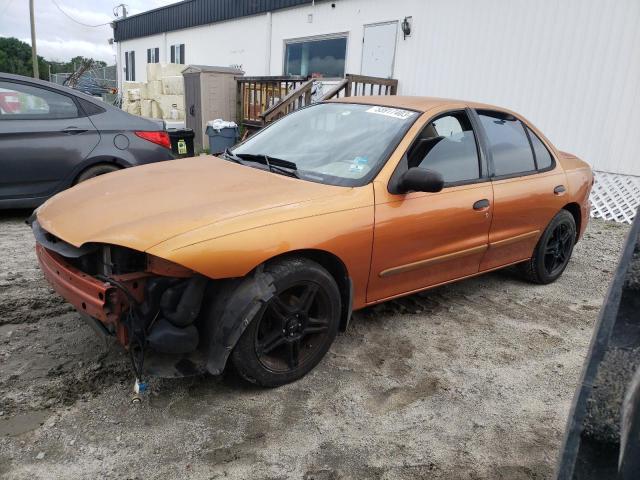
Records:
x=553, y=251
x=295, y=327
x=558, y=248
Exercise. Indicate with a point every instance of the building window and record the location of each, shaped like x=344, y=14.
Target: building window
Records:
x=177, y=53
x=153, y=55
x=317, y=58
x=130, y=66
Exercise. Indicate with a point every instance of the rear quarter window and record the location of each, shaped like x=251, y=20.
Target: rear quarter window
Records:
x=543, y=157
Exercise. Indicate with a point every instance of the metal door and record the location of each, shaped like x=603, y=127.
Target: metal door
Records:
x=379, y=49
x=194, y=108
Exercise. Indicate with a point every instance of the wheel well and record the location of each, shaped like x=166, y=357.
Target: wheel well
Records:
x=574, y=209
x=338, y=271
x=114, y=162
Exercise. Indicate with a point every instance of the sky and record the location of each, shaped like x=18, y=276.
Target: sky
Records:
x=60, y=38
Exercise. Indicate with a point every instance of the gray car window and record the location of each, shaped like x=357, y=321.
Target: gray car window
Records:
x=447, y=145
x=509, y=144
x=543, y=157
x=21, y=101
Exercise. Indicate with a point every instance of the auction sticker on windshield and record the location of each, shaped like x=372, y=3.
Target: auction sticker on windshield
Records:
x=392, y=112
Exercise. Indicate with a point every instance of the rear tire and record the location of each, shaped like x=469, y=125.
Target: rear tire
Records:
x=553, y=251
x=296, y=327
x=95, y=171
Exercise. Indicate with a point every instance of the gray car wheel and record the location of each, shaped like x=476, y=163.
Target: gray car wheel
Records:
x=95, y=171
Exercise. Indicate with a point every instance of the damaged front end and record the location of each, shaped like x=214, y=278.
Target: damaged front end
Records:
x=152, y=306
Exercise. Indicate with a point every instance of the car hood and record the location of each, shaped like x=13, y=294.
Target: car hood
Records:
x=143, y=206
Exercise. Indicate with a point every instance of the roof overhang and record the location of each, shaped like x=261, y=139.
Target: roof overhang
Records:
x=193, y=13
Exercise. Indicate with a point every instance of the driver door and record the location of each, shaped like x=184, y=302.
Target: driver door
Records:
x=425, y=239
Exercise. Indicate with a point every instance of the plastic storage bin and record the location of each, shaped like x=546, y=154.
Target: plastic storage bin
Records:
x=219, y=140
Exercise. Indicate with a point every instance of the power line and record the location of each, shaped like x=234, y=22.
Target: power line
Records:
x=74, y=20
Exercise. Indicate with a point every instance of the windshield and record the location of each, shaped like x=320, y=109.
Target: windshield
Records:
x=333, y=143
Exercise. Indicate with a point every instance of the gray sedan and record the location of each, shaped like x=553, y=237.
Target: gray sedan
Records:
x=52, y=137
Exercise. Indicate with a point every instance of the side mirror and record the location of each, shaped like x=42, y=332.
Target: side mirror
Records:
x=418, y=179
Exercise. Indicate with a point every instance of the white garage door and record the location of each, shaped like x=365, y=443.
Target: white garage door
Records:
x=379, y=49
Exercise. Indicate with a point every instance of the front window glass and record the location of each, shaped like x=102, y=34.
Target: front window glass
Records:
x=26, y=102
x=447, y=145
x=317, y=58
x=333, y=143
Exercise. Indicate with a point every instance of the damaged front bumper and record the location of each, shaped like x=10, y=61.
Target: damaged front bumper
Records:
x=149, y=304
x=90, y=296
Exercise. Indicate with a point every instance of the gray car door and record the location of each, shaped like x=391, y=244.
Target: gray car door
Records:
x=44, y=136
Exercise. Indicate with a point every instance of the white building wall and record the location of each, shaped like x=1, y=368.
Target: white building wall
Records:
x=140, y=46
x=242, y=42
x=572, y=67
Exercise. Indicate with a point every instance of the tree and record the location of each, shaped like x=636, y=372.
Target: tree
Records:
x=15, y=57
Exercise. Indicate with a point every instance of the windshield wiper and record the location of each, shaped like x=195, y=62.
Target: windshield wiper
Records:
x=228, y=154
x=276, y=165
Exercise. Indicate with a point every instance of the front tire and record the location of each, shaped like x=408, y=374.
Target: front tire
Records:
x=553, y=251
x=294, y=330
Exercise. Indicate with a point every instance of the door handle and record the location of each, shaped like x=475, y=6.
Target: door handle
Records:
x=481, y=204
x=192, y=110
x=559, y=190
x=73, y=130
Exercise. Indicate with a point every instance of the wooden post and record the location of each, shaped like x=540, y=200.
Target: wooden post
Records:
x=239, y=93
x=34, y=55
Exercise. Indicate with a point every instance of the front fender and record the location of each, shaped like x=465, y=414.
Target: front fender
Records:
x=239, y=246
x=346, y=234
x=235, y=304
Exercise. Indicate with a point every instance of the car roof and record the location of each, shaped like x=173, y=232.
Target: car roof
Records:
x=53, y=86
x=421, y=104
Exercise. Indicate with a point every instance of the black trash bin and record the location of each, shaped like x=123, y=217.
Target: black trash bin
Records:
x=182, y=141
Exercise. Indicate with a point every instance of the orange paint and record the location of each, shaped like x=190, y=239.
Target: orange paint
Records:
x=222, y=219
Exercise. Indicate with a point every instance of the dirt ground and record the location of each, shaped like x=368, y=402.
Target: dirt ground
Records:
x=469, y=381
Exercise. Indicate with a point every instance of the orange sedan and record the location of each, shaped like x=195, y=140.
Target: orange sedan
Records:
x=261, y=254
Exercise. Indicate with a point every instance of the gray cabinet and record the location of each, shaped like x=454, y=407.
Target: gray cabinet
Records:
x=209, y=93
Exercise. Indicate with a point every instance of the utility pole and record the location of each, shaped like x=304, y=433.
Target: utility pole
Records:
x=124, y=10
x=34, y=55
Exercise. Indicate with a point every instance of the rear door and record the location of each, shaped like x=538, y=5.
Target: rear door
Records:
x=528, y=188
x=43, y=137
x=423, y=239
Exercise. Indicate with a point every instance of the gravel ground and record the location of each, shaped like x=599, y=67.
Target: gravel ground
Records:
x=469, y=381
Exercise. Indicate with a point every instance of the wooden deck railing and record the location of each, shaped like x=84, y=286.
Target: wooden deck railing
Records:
x=261, y=100
x=255, y=95
x=296, y=99
x=363, y=85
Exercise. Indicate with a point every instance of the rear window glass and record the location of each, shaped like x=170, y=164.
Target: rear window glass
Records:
x=21, y=101
x=508, y=142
